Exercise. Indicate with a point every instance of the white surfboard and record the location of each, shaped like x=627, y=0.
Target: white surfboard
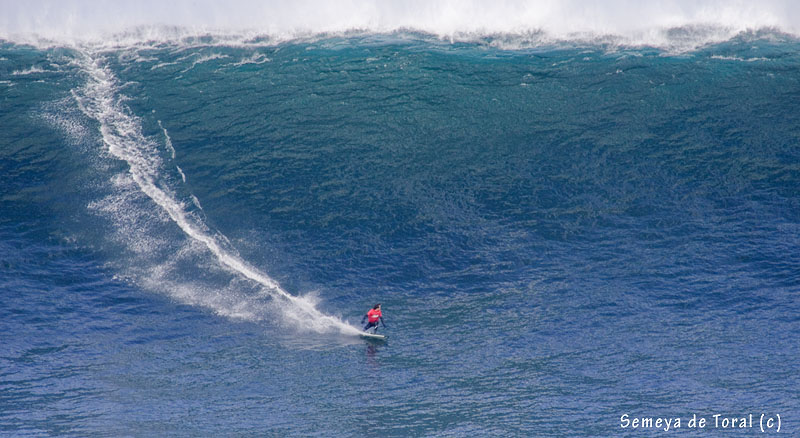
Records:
x=372, y=336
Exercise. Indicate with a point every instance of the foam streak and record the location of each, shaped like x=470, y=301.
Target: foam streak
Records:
x=122, y=134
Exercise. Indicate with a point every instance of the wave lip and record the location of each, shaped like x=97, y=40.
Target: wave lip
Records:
x=625, y=22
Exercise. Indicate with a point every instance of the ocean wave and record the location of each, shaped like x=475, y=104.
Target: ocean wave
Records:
x=678, y=24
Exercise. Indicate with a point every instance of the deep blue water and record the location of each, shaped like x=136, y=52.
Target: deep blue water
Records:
x=559, y=235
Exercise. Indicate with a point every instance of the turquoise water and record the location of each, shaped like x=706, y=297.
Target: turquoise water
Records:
x=560, y=234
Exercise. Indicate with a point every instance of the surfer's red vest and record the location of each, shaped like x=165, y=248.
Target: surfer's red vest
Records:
x=374, y=315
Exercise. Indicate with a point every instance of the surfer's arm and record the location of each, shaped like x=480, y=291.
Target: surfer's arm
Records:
x=363, y=318
x=384, y=324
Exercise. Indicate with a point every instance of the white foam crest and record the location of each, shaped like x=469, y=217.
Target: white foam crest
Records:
x=242, y=21
x=28, y=71
x=256, y=58
x=204, y=59
x=162, y=65
x=739, y=59
x=122, y=133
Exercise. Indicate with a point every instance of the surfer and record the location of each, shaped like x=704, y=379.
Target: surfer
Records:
x=373, y=316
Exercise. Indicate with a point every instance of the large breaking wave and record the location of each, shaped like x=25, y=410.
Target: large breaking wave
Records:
x=675, y=25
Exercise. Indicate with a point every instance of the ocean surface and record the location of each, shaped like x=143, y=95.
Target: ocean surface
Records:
x=563, y=234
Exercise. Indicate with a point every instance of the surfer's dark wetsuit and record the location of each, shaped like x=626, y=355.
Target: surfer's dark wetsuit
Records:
x=373, y=317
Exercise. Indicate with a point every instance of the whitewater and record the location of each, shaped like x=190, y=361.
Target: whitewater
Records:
x=679, y=25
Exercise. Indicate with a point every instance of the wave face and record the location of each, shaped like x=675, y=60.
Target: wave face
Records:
x=676, y=24
x=191, y=225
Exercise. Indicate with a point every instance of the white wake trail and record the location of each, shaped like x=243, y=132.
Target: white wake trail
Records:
x=122, y=134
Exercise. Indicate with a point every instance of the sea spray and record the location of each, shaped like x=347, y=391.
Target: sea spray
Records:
x=675, y=24
x=122, y=133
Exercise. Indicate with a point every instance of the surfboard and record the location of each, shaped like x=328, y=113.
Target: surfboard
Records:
x=374, y=336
